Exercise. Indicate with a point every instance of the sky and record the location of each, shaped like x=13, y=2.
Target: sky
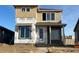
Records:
x=69, y=16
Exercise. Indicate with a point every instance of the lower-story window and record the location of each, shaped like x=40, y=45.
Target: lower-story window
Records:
x=24, y=32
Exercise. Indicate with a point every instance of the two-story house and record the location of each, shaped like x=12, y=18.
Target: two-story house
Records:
x=37, y=25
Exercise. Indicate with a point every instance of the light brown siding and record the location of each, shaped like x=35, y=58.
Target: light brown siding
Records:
x=57, y=16
x=39, y=17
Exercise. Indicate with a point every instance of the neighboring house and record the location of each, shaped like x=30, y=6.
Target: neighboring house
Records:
x=69, y=40
x=6, y=36
x=76, y=30
x=37, y=25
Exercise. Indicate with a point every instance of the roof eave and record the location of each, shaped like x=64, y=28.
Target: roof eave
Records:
x=24, y=5
x=49, y=10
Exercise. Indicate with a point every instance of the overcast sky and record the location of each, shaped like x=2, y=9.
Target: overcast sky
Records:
x=69, y=16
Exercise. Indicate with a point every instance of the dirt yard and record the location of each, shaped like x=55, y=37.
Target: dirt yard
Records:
x=32, y=49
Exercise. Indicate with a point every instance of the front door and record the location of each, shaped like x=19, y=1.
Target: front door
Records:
x=42, y=35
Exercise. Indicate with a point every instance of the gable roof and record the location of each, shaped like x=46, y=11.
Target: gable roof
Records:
x=76, y=25
x=3, y=28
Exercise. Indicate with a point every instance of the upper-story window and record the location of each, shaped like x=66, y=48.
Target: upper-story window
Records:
x=25, y=9
x=44, y=16
x=52, y=16
x=48, y=16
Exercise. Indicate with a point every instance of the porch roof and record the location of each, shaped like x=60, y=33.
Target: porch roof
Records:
x=43, y=24
x=23, y=24
x=50, y=24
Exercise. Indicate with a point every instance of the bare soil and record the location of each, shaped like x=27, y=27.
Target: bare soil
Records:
x=4, y=48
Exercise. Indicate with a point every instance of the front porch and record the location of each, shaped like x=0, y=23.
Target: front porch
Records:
x=51, y=35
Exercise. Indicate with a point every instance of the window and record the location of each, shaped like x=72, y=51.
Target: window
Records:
x=41, y=33
x=48, y=16
x=52, y=16
x=28, y=32
x=25, y=9
x=44, y=16
x=24, y=32
x=28, y=9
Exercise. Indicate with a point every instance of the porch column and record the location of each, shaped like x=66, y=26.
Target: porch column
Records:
x=16, y=35
x=63, y=35
x=33, y=33
x=50, y=34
